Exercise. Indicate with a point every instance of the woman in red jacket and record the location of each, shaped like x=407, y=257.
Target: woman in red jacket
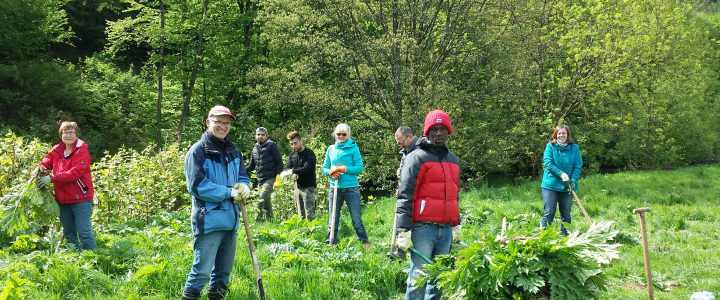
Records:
x=69, y=162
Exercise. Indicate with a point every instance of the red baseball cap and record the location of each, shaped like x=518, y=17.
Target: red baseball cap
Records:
x=220, y=110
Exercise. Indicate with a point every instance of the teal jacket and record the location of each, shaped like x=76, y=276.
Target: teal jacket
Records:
x=344, y=154
x=558, y=159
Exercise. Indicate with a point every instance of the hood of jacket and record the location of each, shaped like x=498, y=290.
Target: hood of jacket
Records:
x=348, y=144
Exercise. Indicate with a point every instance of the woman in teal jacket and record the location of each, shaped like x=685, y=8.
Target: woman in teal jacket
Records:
x=343, y=164
x=563, y=164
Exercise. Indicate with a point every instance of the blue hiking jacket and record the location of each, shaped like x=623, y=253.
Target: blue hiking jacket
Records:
x=212, y=167
x=345, y=154
x=558, y=159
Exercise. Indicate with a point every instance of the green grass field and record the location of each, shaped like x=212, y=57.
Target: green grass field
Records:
x=152, y=262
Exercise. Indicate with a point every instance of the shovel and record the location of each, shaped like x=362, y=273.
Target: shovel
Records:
x=395, y=252
x=332, y=214
x=251, y=245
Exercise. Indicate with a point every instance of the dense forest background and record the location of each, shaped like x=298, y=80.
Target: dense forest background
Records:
x=637, y=81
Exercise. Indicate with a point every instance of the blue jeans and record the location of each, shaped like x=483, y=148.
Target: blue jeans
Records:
x=351, y=196
x=75, y=220
x=213, y=259
x=430, y=240
x=551, y=199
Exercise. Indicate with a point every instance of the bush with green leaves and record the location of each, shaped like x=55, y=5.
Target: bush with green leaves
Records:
x=132, y=186
x=545, y=265
x=24, y=207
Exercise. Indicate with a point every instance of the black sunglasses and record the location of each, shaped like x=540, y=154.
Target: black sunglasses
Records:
x=341, y=134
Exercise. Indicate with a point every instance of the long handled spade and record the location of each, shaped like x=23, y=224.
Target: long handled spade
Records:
x=395, y=252
x=256, y=264
x=577, y=200
x=333, y=203
x=648, y=276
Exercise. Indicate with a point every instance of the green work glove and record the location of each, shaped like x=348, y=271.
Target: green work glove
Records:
x=404, y=241
x=43, y=181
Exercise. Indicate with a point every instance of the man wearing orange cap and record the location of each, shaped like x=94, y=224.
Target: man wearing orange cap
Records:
x=216, y=179
x=427, y=211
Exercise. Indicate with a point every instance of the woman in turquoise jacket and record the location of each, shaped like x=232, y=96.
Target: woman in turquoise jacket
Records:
x=562, y=164
x=343, y=164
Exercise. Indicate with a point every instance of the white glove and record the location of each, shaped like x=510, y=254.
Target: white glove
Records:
x=286, y=173
x=456, y=233
x=240, y=191
x=404, y=240
x=565, y=178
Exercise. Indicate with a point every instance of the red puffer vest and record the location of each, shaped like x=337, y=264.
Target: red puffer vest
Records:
x=71, y=175
x=436, y=194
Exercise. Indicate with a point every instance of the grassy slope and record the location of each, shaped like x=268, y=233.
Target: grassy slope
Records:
x=152, y=263
x=682, y=227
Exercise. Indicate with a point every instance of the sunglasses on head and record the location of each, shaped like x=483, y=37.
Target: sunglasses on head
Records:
x=340, y=134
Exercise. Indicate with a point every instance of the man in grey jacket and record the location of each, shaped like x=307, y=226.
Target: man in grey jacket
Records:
x=266, y=161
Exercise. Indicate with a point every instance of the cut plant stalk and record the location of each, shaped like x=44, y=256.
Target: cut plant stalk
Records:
x=251, y=246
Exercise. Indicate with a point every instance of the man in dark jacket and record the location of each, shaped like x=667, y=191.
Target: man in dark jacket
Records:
x=406, y=139
x=427, y=211
x=302, y=163
x=215, y=176
x=266, y=161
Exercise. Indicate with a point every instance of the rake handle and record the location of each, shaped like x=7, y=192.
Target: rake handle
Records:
x=577, y=200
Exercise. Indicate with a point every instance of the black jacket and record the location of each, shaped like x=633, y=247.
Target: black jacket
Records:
x=265, y=160
x=303, y=164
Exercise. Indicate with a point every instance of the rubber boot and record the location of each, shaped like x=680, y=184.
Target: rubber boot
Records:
x=217, y=293
x=189, y=296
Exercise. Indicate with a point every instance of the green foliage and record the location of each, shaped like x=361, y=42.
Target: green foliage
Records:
x=151, y=259
x=545, y=265
x=132, y=186
x=24, y=207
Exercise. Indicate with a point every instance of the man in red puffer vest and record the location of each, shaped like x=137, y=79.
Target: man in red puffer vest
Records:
x=427, y=212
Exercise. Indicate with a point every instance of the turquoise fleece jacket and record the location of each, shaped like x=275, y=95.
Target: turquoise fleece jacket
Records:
x=344, y=154
x=559, y=159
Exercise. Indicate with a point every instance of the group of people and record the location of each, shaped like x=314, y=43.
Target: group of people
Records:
x=427, y=212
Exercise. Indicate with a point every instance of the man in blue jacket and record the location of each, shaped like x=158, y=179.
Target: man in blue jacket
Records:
x=213, y=166
x=267, y=163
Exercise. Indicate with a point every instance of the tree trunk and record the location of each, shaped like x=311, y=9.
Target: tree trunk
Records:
x=160, y=66
x=193, y=76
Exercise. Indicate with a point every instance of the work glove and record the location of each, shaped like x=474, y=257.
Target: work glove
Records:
x=278, y=182
x=456, y=230
x=286, y=173
x=43, y=181
x=240, y=191
x=404, y=240
x=398, y=173
x=565, y=178
x=335, y=175
x=338, y=169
